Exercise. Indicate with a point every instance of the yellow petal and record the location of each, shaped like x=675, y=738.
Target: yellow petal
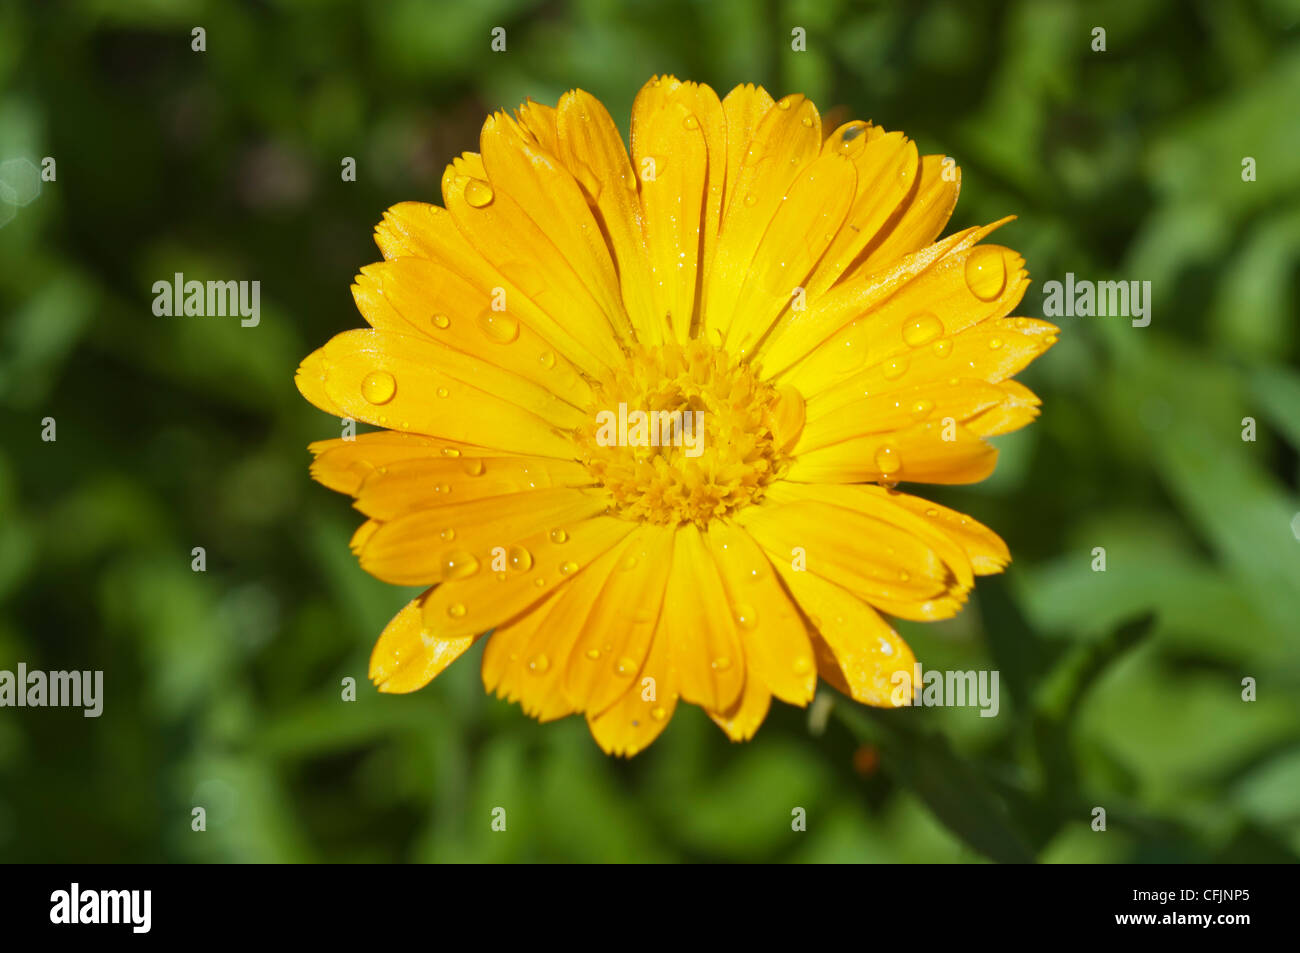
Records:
x=743, y=108
x=310, y=381
x=590, y=146
x=742, y=720
x=415, y=296
x=886, y=168
x=774, y=639
x=941, y=301
x=417, y=229
x=416, y=386
x=875, y=559
x=342, y=464
x=671, y=158
x=984, y=548
x=616, y=637
x=467, y=605
x=921, y=219
x=705, y=647
x=787, y=138
x=423, y=546
x=841, y=414
x=644, y=709
x=868, y=651
x=518, y=248
x=403, y=486
x=803, y=227
x=929, y=452
x=406, y=657
x=544, y=189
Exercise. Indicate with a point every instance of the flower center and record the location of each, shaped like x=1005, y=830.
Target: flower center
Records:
x=681, y=433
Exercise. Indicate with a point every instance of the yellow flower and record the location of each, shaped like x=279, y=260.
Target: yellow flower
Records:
x=759, y=300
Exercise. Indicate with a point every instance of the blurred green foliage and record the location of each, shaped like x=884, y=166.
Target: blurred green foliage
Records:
x=1121, y=689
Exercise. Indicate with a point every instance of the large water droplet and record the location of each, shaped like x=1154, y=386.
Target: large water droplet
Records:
x=921, y=329
x=378, y=387
x=472, y=466
x=478, y=193
x=519, y=559
x=501, y=326
x=986, y=273
x=559, y=536
x=458, y=564
x=888, y=460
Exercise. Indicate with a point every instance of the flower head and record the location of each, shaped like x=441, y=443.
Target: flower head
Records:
x=643, y=416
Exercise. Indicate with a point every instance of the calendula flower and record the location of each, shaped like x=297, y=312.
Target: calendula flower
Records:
x=644, y=415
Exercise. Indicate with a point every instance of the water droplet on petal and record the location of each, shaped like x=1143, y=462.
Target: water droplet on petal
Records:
x=921, y=329
x=458, y=564
x=995, y=344
x=547, y=360
x=501, y=326
x=746, y=617
x=442, y=392
x=593, y=654
x=895, y=369
x=658, y=713
x=922, y=407
x=441, y=322
x=625, y=666
x=539, y=664
x=519, y=559
x=559, y=536
x=690, y=122
x=888, y=460
x=473, y=466
x=450, y=452
x=447, y=534
x=986, y=273
x=456, y=610
x=568, y=567
x=629, y=562
x=378, y=387
x=942, y=348
x=478, y=193
x=721, y=664
x=783, y=102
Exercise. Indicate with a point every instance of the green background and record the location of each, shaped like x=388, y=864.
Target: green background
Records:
x=1121, y=689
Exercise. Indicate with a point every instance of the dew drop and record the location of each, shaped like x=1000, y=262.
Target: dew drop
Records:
x=721, y=664
x=378, y=387
x=986, y=273
x=441, y=321
x=746, y=617
x=783, y=102
x=942, y=348
x=450, y=452
x=547, y=360
x=519, y=559
x=807, y=122
x=501, y=326
x=629, y=562
x=888, y=460
x=995, y=344
x=559, y=536
x=802, y=665
x=568, y=567
x=447, y=535
x=690, y=122
x=921, y=329
x=932, y=513
x=442, y=392
x=895, y=368
x=539, y=664
x=593, y=654
x=625, y=666
x=922, y=407
x=458, y=564
x=456, y=610
x=478, y=193
x=658, y=713
x=473, y=466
